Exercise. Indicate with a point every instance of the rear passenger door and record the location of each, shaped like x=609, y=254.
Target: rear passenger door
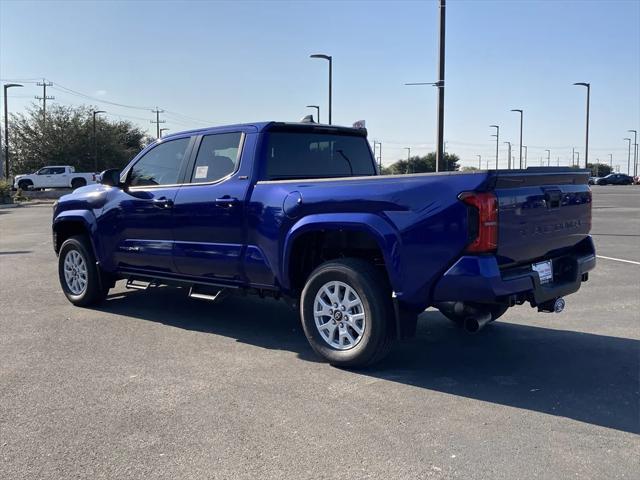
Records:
x=209, y=211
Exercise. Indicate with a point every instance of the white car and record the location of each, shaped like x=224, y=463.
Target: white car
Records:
x=54, y=176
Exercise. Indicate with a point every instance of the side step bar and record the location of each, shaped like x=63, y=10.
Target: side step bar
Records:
x=137, y=284
x=203, y=293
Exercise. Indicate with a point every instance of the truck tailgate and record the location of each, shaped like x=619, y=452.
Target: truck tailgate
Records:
x=541, y=212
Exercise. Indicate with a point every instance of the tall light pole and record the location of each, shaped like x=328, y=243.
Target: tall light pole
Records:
x=95, y=140
x=479, y=162
x=497, y=135
x=635, y=150
x=586, y=141
x=440, y=144
x=508, y=156
x=525, y=155
x=573, y=156
x=408, y=149
x=521, y=115
x=163, y=130
x=317, y=107
x=440, y=140
x=548, y=157
x=328, y=58
x=6, y=128
x=629, y=155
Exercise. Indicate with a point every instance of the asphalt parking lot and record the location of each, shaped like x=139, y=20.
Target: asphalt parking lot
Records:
x=156, y=385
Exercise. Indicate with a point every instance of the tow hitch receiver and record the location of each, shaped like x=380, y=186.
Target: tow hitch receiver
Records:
x=552, y=306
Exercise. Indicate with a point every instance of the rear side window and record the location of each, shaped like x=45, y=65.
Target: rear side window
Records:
x=317, y=155
x=217, y=157
x=161, y=165
x=58, y=170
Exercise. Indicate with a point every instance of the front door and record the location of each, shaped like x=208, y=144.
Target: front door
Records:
x=209, y=211
x=141, y=215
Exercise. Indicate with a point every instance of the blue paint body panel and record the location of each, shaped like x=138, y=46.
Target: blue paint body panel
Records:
x=417, y=221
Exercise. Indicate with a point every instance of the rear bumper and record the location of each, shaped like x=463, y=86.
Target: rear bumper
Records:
x=479, y=278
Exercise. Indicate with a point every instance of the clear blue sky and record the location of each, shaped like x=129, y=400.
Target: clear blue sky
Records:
x=228, y=62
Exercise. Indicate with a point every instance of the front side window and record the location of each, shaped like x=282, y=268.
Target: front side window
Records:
x=296, y=155
x=217, y=157
x=161, y=165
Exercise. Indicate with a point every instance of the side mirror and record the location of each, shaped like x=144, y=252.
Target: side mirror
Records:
x=110, y=177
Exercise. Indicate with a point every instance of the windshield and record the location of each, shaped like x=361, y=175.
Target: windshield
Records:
x=293, y=155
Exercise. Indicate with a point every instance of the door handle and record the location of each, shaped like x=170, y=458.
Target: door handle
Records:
x=226, y=201
x=162, y=202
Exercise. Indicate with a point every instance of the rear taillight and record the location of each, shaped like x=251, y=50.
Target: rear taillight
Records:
x=486, y=230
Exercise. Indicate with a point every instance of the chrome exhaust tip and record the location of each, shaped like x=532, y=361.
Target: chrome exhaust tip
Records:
x=476, y=323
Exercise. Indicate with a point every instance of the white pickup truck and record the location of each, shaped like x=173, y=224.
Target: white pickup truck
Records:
x=54, y=176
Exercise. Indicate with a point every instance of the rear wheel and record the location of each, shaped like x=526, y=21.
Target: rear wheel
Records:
x=79, y=274
x=346, y=313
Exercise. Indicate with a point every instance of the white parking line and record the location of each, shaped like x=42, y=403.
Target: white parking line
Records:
x=618, y=259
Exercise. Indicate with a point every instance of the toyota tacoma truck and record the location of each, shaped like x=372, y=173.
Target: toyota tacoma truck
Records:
x=299, y=211
x=55, y=176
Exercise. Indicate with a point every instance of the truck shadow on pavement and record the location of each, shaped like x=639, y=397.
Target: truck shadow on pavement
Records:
x=586, y=377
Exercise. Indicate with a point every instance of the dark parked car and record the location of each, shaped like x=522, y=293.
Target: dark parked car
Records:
x=615, y=179
x=300, y=211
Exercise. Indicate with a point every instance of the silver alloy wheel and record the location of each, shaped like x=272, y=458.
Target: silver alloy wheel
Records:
x=75, y=272
x=339, y=315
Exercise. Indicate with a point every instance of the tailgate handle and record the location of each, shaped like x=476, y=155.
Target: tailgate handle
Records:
x=553, y=197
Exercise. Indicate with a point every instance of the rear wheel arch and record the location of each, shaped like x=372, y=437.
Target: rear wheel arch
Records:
x=315, y=246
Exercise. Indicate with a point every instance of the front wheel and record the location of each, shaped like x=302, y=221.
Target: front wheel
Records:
x=79, y=274
x=347, y=313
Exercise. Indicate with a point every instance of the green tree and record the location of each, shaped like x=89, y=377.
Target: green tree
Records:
x=66, y=138
x=599, y=169
x=424, y=164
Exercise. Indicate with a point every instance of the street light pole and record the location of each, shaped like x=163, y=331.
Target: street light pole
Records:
x=163, y=130
x=629, y=155
x=521, y=115
x=329, y=58
x=635, y=151
x=95, y=141
x=440, y=144
x=497, y=135
x=586, y=143
x=6, y=128
x=317, y=107
x=509, y=155
x=525, y=155
x=548, y=157
x=408, y=149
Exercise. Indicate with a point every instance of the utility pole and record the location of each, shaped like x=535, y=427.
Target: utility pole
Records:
x=95, y=140
x=6, y=128
x=44, y=84
x=440, y=142
x=157, y=121
x=586, y=142
x=548, y=157
x=635, y=152
x=508, y=156
x=521, y=115
x=479, y=162
x=629, y=155
x=497, y=135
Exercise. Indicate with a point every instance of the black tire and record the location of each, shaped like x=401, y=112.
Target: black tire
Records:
x=496, y=312
x=25, y=185
x=78, y=182
x=375, y=295
x=96, y=288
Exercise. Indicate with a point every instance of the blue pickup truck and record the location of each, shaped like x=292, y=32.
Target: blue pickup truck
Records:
x=299, y=211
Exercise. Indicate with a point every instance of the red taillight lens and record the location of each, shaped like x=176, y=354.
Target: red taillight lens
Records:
x=486, y=204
